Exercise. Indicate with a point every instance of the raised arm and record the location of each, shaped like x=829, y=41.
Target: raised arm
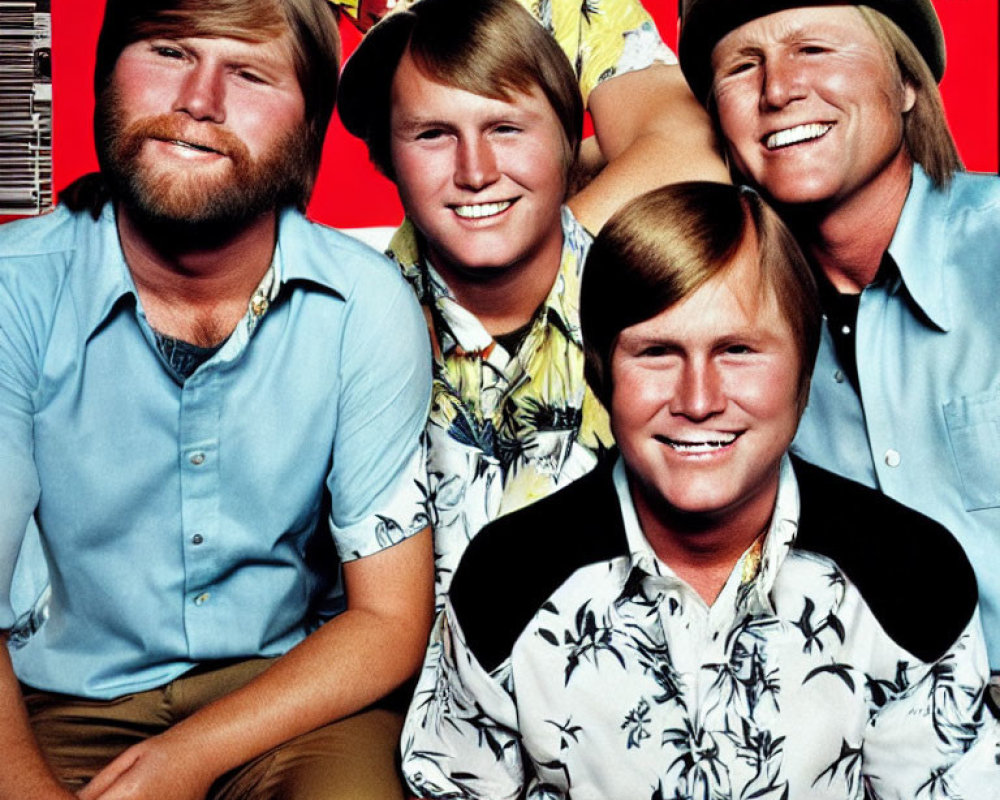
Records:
x=651, y=131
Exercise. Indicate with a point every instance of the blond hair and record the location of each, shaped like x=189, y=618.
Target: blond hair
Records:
x=926, y=133
x=663, y=246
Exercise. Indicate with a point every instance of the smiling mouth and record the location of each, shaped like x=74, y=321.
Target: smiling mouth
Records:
x=796, y=135
x=697, y=446
x=482, y=210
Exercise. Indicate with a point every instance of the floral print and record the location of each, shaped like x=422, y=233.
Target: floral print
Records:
x=625, y=684
x=505, y=429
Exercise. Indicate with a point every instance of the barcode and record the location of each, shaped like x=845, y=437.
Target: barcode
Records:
x=25, y=107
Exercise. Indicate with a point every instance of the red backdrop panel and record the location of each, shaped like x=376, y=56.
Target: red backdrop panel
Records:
x=350, y=193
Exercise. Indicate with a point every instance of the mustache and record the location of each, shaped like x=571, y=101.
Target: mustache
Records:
x=168, y=127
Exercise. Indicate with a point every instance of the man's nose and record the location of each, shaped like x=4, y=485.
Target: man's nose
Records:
x=698, y=394
x=476, y=164
x=782, y=83
x=202, y=93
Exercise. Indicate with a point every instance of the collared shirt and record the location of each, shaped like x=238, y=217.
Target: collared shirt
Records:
x=613, y=679
x=926, y=427
x=188, y=521
x=601, y=38
x=505, y=429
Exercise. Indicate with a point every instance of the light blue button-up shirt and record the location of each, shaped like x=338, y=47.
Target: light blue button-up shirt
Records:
x=178, y=520
x=926, y=430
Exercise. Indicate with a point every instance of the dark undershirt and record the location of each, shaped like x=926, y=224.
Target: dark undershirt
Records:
x=183, y=357
x=841, y=311
x=512, y=340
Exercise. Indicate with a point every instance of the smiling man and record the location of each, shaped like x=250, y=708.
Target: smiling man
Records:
x=648, y=128
x=210, y=412
x=473, y=110
x=833, y=112
x=704, y=617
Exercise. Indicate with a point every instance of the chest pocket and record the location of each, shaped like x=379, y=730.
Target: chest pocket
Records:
x=974, y=431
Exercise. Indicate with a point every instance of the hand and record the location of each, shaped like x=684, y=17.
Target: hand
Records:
x=151, y=770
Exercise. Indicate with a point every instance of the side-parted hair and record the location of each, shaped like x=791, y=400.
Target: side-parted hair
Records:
x=492, y=48
x=663, y=246
x=925, y=128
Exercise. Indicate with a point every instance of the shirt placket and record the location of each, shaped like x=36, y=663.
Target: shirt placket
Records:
x=198, y=453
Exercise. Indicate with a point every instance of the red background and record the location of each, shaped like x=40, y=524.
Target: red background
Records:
x=349, y=192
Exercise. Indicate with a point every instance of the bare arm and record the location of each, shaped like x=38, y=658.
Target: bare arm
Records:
x=25, y=773
x=651, y=132
x=348, y=663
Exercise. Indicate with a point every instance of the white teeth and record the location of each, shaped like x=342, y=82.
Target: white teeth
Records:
x=706, y=446
x=800, y=133
x=482, y=209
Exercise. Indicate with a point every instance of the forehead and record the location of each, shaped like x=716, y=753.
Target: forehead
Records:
x=737, y=300
x=415, y=93
x=838, y=24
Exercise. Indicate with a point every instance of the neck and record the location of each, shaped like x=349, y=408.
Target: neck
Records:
x=703, y=548
x=196, y=285
x=505, y=298
x=848, y=238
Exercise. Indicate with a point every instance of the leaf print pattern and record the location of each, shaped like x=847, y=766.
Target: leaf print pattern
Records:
x=624, y=684
x=522, y=424
x=813, y=632
x=637, y=723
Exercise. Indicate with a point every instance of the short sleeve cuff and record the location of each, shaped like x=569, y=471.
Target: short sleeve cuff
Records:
x=399, y=513
x=642, y=48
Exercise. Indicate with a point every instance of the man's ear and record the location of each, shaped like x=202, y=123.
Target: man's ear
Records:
x=909, y=96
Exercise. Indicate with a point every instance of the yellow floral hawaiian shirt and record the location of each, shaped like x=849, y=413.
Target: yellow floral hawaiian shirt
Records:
x=505, y=429
x=601, y=38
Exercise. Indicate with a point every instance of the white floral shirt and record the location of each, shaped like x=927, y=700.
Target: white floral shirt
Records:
x=600, y=675
x=504, y=429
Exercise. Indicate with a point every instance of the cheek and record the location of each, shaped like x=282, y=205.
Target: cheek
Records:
x=767, y=394
x=638, y=396
x=415, y=174
x=539, y=164
x=736, y=108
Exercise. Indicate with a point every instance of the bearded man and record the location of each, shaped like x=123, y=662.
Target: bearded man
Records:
x=200, y=393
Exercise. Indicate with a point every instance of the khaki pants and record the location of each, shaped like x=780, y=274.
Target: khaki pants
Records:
x=353, y=758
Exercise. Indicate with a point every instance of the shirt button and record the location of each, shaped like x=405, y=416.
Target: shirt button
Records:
x=838, y=376
x=892, y=458
x=198, y=459
x=197, y=539
x=201, y=599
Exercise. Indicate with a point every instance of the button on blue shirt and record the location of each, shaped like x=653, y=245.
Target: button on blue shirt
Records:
x=183, y=522
x=926, y=429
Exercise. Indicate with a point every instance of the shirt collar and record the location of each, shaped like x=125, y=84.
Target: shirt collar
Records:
x=754, y=594
x=561, y=306
x=112, y=281
x=106, y=275
x=296, y=259
x=918, y=247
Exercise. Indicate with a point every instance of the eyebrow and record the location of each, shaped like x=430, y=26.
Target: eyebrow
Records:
x=248, y=53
